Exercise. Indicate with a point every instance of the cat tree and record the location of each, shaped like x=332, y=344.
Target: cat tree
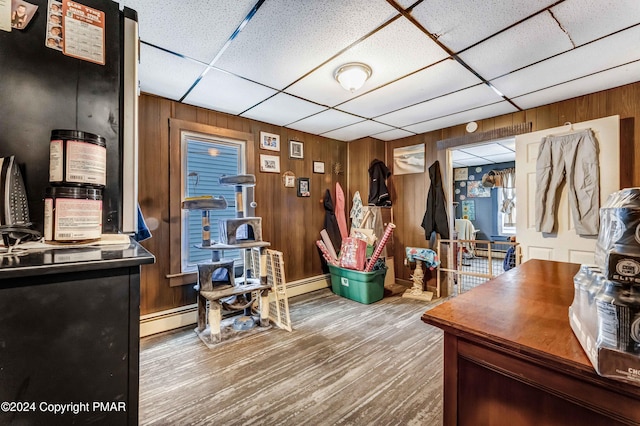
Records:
x=217, y=285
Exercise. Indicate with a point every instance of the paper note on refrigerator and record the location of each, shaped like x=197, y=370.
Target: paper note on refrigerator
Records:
x=53, y=39
x=5, y=15
x=83, y=32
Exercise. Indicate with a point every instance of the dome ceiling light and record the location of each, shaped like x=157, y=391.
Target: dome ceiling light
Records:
x=352, y=76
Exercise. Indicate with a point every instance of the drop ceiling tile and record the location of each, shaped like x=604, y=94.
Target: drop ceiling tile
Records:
x=597, y=56
x=492, y=110
x=357, y=131
x=174, y=25
x=392, y=135
x=513, y=48
x=510, y=143
x=391, y=54
x=458, y=155
x=406, y=3
x=460, y=23
x=472, y=97
x=612, y=16
x=166, y=75
x=282, y=109
x=324, y=121
x=224, y=92
x=502, y=158
x=494, y=152
x=615, y=77
x=437, y=80
x=486, y=150
x=277, y=47
x=475, y=161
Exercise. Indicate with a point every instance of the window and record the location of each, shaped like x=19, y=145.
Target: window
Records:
x=506, y=211
x=206, y=159
x=191, y=146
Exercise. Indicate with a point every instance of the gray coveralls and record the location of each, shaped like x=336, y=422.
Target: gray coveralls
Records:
x=575, y=156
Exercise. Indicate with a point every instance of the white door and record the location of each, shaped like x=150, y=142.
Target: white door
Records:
x=565, y=245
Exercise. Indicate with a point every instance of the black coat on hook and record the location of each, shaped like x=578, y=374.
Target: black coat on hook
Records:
x=435, y=218
x=378, y=191
x=331, y=222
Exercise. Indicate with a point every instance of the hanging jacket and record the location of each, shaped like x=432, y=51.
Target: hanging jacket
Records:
x=378, y=192
x=435, y=218
x=330, y=222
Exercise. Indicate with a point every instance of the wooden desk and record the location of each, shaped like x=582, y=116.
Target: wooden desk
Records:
x=511, y=358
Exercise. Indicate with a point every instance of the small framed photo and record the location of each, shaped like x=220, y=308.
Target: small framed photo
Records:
x=21, y=14
x=303, y=187
x=296, y=149
x=289, y=180
x=269, y=163
x=318, y=167
x=461, y=174
x=269, y=141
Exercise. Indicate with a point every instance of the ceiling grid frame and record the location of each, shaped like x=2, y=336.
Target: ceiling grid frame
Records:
x=164, y=37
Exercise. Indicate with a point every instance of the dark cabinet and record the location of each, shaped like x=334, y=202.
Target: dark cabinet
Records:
x=69, y=337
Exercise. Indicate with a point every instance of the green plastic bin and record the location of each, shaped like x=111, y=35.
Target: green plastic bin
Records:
x=363, y=287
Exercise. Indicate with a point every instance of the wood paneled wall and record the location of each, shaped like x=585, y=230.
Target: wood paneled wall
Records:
x=290, y=223
x=409, y=198
x=361, y=153
x=409, y=192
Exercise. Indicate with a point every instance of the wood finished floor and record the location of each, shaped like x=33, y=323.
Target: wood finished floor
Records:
x=345, y=363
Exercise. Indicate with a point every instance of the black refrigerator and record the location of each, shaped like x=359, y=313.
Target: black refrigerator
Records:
x=46, y=85
x=69, y=318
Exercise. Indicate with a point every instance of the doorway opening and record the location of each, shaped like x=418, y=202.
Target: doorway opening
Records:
x=482, y=205
x=482, y=187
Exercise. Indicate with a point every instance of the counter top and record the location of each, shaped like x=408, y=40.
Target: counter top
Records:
x=524, y=309
x=63, y=259
x=510, y=353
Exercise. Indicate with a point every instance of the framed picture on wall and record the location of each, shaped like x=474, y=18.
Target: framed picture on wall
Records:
x=469, y=210
x=269, y=163
x=461, y=174
x=318, y=167
x=296, y=149
x=476, y=190
x=289, y=179
x=303, y=187
x=408, y=159
x=269, y=141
